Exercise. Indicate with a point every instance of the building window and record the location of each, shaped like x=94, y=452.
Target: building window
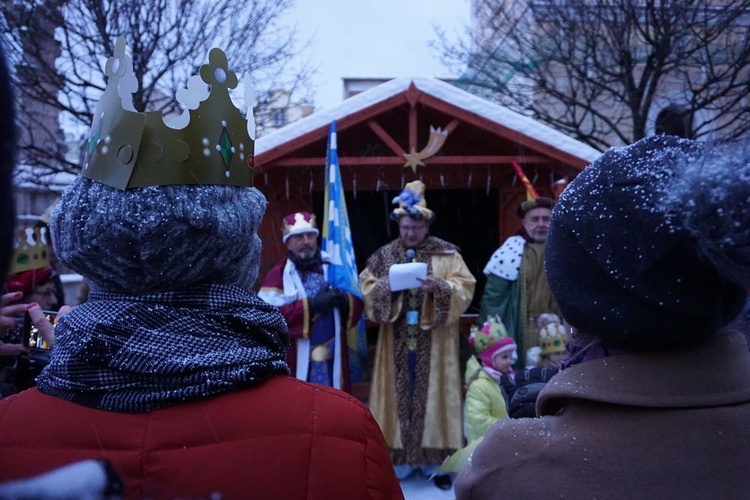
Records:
x=279, y=118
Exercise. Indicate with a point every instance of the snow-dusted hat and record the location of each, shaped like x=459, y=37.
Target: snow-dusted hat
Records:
x=411, y=202
x=648, y=247
x=298, y=223
x=159, y=238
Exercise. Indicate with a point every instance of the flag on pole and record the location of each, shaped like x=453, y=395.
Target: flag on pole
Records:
x=337, y=243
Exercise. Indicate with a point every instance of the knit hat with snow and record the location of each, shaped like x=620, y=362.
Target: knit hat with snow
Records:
x=159, y=238
x=649, y=246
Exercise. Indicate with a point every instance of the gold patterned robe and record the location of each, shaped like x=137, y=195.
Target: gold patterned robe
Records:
x=424, y=428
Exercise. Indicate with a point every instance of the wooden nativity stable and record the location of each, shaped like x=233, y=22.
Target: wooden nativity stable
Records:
x=460, y=145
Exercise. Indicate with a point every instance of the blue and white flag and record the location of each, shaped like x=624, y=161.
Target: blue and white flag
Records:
x=337, y=237
x=342, y=267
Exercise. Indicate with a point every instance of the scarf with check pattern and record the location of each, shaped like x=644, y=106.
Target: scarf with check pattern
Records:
x=141, y=353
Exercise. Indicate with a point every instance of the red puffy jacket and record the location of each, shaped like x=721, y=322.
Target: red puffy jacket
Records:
x=283, y=439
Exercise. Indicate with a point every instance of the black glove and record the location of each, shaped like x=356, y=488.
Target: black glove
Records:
x=327, y=299
x=324, y=301
x=342, y=302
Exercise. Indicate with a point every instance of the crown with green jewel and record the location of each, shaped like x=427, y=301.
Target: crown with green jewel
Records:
x=210, y=143
x=29, y=250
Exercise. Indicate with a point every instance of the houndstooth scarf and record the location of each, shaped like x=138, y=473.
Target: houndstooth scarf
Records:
x=141, y=353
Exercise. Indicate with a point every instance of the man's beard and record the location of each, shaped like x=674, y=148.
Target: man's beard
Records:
x=307, y=254
x=302, y=263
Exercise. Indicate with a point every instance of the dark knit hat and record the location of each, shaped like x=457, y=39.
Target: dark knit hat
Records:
x=159, y=238
x=650, y=245
x=540, y=202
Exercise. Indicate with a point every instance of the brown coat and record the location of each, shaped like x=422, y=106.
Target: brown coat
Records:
x=670, y=424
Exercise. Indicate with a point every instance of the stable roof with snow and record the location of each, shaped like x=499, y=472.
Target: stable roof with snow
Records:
x=523, y=130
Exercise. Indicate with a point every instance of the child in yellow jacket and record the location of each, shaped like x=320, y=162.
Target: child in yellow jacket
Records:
x=485, y=403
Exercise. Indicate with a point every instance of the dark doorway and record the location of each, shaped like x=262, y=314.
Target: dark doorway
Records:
x=467, y=218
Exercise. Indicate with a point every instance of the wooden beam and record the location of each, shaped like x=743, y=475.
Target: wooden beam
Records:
x=451, y=126
x=399, y=160
x=412, y=128
x=385, y=137
x=266, y=157
x=506, y=132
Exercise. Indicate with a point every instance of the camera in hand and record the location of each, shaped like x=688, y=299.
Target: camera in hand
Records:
x=31, y=336
x=31, y=364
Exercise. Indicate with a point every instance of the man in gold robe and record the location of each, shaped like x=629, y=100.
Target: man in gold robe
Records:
x=416, y=384
x=517, y=290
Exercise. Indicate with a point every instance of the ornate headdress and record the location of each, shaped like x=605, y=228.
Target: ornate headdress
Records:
x=491, y=339
x=411, y=202
x=30, y=265
x=553, y=338
x=30, y=250
x=298, y=223
x=213, y=144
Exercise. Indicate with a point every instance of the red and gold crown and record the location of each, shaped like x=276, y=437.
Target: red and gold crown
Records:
x=30, y=250
x=298, y=223
x=210, y=143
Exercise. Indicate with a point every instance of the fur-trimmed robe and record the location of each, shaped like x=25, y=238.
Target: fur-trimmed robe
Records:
x=282, y=287
x=435, y=416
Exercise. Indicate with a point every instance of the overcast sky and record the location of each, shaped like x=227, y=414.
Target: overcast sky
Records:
x=374, y=38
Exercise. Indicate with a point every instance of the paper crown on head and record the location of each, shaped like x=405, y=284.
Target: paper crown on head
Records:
x=30, y=250
x=492, y=331
x=211, y=144
x=411, y=202
x=298, y=223
x=553, y=338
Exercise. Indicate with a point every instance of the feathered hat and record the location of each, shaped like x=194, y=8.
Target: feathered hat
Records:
x=411, y=202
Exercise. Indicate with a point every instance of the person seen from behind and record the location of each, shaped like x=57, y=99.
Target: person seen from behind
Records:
x=654, y=401
x=174, y=370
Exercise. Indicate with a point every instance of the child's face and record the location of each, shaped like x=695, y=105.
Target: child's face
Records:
x=558, y=357
x=503, y=361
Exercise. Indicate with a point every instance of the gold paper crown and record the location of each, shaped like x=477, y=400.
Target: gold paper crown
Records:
x=552, y=337
x=212, y=144
x=29, y=250
x=492, y=331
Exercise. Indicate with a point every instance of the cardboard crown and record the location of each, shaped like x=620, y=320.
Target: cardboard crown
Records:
x=29, y=250
x=212, y=143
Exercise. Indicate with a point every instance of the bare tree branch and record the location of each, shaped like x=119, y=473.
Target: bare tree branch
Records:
x=610, y=72
x=61, y=47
